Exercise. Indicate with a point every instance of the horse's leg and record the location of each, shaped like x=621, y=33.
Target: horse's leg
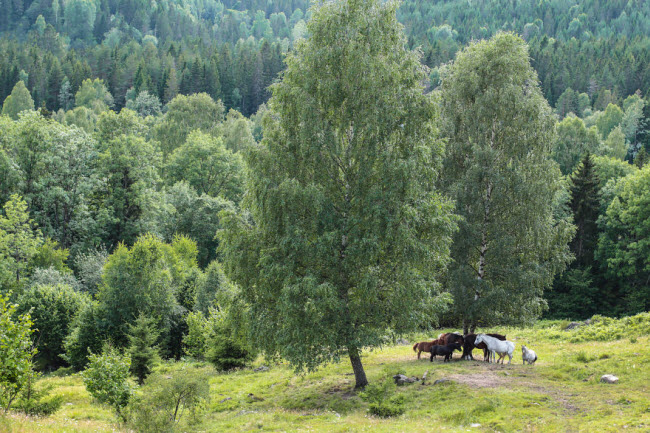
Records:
x=419, y=352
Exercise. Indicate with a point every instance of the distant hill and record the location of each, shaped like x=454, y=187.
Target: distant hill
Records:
x=234, y=49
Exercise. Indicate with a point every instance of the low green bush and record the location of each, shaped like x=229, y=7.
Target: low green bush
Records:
x=381, y=401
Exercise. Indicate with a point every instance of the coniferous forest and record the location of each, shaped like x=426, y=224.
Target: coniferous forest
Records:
x=221, y=180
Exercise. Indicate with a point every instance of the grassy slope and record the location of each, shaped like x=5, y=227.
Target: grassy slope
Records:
x=560, y=393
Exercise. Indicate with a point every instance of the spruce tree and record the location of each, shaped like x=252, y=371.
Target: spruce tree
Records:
x=142, y=347
x=585, y=203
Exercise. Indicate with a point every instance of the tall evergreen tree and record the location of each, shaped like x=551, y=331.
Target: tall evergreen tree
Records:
x=585, y=204
x=347, y=232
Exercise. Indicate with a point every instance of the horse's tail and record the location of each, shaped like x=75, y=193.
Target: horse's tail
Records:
x=415, y=347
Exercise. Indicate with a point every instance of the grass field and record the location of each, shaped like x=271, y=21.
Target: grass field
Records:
x=561, y=393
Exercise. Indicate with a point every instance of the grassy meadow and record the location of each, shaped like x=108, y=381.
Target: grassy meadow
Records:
x=560, y=393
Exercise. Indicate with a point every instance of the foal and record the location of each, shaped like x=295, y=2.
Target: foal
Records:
x=446, y=351
x=424, y=346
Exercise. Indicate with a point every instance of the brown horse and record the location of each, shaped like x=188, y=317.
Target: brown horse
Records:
x=424, y=346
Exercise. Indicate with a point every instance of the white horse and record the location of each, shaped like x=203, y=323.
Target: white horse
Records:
x=528, y=355
x=494, y=346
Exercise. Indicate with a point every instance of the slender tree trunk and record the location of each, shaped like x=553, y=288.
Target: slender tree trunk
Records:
x=357, y=366
x=465, y=327
x=472, y=327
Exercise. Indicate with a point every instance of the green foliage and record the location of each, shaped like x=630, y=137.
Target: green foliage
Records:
x=19, y=101
x=615, y=145
x=182, y=211
x=19, y=242
x=186, y=114
x=16, y=354
x=208, y=166
x=499, y=172
x=573, y=141
x=53, y=310
x=624, y=245
x=609, y=120
x=139, y=280
x=130, y=166
x=87, y=335
x=93, y=95
x=107, y=379
x=227, y=346
x=34, y=399
x=214, y=290
x=604, y=328
x=145, y=104
x=197, y=335
x=168, y=399
x=90, y=268
x=343, y=208
x=380, y=400
x=142, y=347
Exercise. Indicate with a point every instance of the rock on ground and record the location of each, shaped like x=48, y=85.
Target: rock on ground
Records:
x=609, y=378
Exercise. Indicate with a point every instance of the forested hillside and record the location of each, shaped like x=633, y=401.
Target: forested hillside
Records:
x=232, y=50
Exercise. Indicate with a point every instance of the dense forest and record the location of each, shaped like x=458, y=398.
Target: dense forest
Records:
x=193, y=175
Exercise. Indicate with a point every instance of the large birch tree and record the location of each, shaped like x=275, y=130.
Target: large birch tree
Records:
x=346, y=232
x=498, y=169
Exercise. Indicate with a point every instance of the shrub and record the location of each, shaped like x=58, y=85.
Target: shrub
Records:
x=165, y=399
x=87, y=335
x=197, y=333
x=53, y=310
x=107, y=379
x=380, y=400
x=16, y=354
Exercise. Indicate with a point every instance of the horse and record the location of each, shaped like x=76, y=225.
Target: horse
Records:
x=529, y=356
x=447, y=351
x=494, y=345
x=424, y=346
x=470, y=344
x=451, y=337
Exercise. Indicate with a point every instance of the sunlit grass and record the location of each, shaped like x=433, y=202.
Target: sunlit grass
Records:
x=561, y=392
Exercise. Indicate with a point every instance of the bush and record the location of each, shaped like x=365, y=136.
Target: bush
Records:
x=380, y=400
x=197, y=334
x=88, y=334
x=107, y=379
x=165, y=399
x=53, y=310
x=16, y=354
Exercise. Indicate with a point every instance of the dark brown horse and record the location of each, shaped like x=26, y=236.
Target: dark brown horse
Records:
x=424, y=346
x=469, y=345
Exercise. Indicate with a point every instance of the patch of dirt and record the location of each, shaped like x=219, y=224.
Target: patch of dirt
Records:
x=344, y=393
x=493, y=376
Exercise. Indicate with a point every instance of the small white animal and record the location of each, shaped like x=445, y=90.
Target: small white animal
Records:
x=529, y=356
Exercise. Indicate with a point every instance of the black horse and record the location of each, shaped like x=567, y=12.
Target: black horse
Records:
x=445, y=351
